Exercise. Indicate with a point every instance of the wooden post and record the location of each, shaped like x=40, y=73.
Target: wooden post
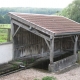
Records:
x=8, y=37
x=12, y=32
x=51, y=49
x=47, y=43
x=51, y=65
x=75, y=45
x=16, y=31
x=75, y=48
x=42, y=52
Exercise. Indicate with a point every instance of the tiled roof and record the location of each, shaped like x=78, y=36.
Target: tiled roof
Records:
x=56, y=24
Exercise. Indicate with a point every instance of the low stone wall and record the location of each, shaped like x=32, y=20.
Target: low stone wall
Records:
x=6, y=54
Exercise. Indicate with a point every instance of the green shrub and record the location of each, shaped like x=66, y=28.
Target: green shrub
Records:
x=49, y=78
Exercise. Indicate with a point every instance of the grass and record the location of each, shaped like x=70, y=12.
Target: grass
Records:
x=5, y=25
x=3, y=37
x=47, y=78
x=4, y=32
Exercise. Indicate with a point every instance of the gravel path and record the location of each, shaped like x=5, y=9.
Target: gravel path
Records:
x=72, y=73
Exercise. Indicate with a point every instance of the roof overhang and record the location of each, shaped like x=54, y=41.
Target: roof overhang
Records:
x=44, y=30
x=19, y=19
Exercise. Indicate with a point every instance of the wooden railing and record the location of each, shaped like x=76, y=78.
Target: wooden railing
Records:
x=64, y=63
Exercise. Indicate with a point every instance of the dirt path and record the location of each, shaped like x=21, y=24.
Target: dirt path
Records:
x=72, y=73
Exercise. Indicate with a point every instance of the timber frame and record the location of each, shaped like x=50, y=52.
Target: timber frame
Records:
x=49, y=37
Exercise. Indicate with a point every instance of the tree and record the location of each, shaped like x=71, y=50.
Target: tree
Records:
x=6, y=19
x=1, y=19
x=72, y=11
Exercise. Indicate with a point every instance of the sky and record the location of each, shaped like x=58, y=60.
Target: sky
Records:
x=35, y=3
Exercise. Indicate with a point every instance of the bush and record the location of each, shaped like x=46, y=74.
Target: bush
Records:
x=49, y=78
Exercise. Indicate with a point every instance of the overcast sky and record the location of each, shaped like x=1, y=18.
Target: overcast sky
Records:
x=35, y=3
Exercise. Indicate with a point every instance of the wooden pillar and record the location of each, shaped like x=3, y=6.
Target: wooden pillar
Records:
x=75, y=45
x=51, y=65
x=12, y=33
x=8, y=36
x=51, y=49
x=12, y=29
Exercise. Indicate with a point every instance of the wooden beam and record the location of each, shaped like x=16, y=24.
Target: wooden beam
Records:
x=8, y=38
x=30, y=23
x=67, y=33
x=72, y=39
x=12, y=32
x=47, y=43
x=51, y=49
x=12, y=28
x=42, y=52
x=16, y=31
x=40, y=34
x=75, y=45
x=31, y=30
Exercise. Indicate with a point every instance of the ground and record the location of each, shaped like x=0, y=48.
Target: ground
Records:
x=72, y=73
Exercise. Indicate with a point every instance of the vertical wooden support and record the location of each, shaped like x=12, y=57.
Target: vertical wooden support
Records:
x=75, y=45
x=51, y=49
x=8, y=36
x=12, y=32
x=12, y=29
x=42, y=51
x=47, y=43
x=16, y=31
x=51, y=65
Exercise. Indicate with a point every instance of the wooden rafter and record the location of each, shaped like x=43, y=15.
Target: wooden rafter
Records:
x=72, y=39
x=16, y=31
x=19, y=19
x=47, y=43
x=31, y=30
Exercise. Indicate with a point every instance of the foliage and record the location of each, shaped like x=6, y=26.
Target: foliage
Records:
x=4, y=32
x=4, y=11
x=1, y=19
x=3, y=37
x=72, y=11
x=47, y=78
x=4, y=18
x=5, y=26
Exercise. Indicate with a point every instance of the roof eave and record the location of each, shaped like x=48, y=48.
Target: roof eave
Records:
x=15, y=17
x=44, y=30
x=67, y=33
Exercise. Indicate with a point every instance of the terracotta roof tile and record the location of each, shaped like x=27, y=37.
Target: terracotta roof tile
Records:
x=57, y=24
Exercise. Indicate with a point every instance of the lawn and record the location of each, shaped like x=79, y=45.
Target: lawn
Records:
x=5, y=25
x=4, y=32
